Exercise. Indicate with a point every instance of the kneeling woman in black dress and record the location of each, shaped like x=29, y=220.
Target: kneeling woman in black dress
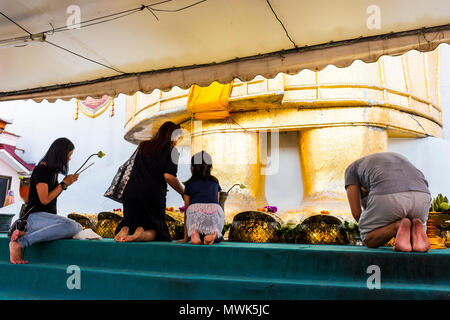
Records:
x=144, y=197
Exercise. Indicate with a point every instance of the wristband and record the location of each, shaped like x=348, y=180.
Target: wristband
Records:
x=63, y=185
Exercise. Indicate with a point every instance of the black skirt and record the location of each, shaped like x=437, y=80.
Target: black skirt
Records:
x=144, y=197
x=145, y=213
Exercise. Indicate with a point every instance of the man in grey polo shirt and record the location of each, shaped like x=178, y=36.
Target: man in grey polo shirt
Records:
x=395, y=199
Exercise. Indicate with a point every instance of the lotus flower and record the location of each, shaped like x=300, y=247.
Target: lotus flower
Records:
x=242, y=186
x=99, y=154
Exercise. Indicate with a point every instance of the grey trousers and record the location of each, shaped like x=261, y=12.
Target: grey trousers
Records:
x=385, y=209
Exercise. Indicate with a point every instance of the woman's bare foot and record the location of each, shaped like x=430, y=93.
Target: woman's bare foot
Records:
x=209, y=238
x=122, y=234
x=148, y=235
x=419, y=237
x=17, y=234
x=15, y=253
x=136, y=236
x=403, y=237
x=195, y=238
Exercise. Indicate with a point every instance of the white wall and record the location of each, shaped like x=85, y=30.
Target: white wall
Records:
x=444, y=79
x=285, y=188
x=183, y=174
x=431, y=156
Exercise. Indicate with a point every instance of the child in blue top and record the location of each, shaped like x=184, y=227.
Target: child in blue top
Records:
x=204, y=217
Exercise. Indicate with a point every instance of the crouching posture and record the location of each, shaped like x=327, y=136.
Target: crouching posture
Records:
x=395, y=201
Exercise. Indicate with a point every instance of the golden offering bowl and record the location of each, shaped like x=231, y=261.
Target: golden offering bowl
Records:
x=255, y=226
x=447, y=238
x=87, y=221
x=104, y=223
x=445, y=233
x=175, y=224
x=321, y=229
x=435, y=220
x=107, y=224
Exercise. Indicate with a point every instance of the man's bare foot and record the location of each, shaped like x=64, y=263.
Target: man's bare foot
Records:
x=419, y=237
x=209, y=238
x=403, y=237
x=195, y=238
x=136, y=236
x=122, y=234
x=15, y=253
x=17, y=234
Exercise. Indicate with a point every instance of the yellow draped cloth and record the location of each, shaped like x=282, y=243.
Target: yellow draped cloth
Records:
x=211, y=102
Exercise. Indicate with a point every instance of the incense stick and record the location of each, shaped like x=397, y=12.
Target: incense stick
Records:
x=86, y=168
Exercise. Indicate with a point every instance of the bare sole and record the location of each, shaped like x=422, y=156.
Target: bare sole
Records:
x=419, y=237
x=403, y=237
x=15, y=253
x=209, y=239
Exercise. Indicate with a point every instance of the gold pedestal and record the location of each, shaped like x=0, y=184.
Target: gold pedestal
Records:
x=339, y=113
x=325, y=153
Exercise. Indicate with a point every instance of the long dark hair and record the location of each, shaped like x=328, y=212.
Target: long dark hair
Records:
x=201, y=164
x=161, y=139
x=56, y=157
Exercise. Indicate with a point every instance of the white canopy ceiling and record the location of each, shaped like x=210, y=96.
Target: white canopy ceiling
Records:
x=199, y=41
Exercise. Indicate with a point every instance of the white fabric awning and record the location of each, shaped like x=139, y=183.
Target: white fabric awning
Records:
x=194, y=41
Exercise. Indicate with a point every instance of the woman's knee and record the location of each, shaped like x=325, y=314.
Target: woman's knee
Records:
x=76, y=227
x=71, y=227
